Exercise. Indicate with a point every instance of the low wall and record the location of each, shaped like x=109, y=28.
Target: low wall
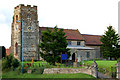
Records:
x=91, y=71
x=65, y=70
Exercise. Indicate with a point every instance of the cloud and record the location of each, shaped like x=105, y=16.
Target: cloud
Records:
x=2, y=18
x=5, y=35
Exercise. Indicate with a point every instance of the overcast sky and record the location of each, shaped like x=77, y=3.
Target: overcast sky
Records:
x=88, y=16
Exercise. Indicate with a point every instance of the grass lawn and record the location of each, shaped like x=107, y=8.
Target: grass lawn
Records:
x=107, y=64
x=14, y=74
x=102, y=63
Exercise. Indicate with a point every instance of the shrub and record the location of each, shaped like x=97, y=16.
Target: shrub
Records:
x=15, y=63
x=6, y=63
x=19, y=69
x=9, y=62
x=102, y=70
x=38, y=70
x=118, y=59
x=80, y=63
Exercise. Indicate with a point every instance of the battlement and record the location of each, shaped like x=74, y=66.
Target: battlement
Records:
x=27, y=6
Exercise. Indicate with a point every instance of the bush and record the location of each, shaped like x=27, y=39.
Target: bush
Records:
x=9, y=62
x=15, y=63
x=102, y=70
x=6, y=63
x=38, y=70
x=80, y=63
x=19, y=69
x=118, y=59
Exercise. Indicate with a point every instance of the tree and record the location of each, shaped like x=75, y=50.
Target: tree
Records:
x=53, y=43
x=110, y=46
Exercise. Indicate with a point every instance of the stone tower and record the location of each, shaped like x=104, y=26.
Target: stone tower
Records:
x=25, y=32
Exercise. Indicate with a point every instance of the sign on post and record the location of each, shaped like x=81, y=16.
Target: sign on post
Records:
x=63, y=56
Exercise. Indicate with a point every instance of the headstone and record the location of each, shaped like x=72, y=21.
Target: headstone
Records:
x=29, y=71
x=94, y=69
x=118, y=70
x=74, y=64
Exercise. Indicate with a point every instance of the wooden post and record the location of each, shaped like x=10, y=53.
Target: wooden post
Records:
x=65, y=61
x=39, y=64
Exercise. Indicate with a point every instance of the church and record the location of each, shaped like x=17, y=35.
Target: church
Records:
x=26, y=37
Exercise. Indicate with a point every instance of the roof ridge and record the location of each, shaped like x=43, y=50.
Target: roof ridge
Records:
x=58, y=28
x=91, y=35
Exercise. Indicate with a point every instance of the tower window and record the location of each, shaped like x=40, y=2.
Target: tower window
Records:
x=16, y=48
x=16, y=17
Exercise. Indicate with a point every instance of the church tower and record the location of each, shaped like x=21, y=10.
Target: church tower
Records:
x=25, y=33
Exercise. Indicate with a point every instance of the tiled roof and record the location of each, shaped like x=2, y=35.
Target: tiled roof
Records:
x=92, y=39
x=72, y=34
x=8, y=51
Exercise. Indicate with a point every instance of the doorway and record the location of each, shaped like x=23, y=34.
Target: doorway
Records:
x=73, y=57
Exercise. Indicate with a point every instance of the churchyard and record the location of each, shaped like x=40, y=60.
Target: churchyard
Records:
x=107, y=67
x=36, y=69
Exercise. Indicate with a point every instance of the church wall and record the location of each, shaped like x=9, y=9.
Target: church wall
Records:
x=97, y=50
x=82, y=54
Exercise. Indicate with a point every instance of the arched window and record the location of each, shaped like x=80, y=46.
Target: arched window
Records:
x=16, y=48
x=16, y=17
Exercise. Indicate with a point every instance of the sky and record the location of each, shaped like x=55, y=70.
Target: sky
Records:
x=88, y=16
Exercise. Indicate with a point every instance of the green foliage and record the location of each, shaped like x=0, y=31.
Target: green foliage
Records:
x=53, y=44
x=118, y=59
x=38, y=70
x=9, y=62
x=104, y=67
x=15, y=63
x=110, y=46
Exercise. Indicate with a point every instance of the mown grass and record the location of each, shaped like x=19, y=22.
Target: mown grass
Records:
x=104, y=65
x=14, y=74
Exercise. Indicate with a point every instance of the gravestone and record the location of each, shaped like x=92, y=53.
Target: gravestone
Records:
x=75, y=64
x=118, y=69
x=94, y=69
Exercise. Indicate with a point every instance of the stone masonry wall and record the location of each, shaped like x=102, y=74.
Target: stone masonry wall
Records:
x=65, y=70
x=91, y=71
x=25, y=20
